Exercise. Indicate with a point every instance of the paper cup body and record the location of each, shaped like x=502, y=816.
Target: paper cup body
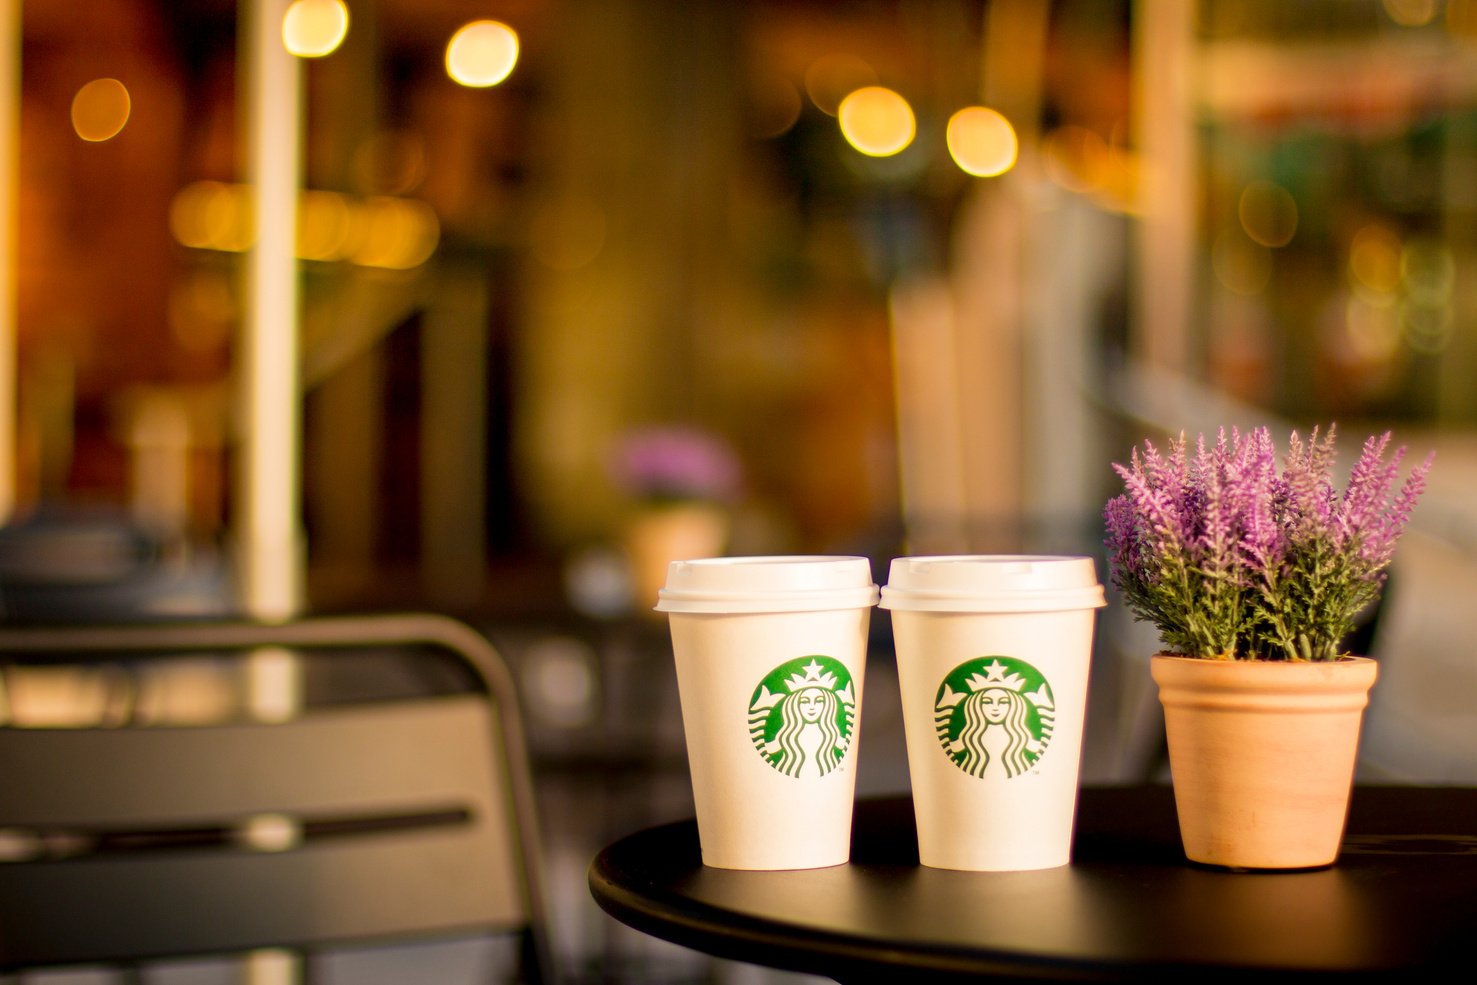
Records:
x=771, y=704
x=993, y=657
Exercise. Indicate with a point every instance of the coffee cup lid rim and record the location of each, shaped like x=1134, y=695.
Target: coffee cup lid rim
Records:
x=993, y=583
x=768, y=583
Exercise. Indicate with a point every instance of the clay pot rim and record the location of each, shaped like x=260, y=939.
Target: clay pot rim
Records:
x=1348, y=658
x=1207, y=676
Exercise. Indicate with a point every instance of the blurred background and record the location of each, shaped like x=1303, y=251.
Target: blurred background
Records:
x=492, y=307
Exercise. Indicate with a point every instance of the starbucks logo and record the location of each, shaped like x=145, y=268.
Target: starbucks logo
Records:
x=803, y=715
x=994, y=714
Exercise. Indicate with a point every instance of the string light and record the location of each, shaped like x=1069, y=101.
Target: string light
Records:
x=982, y=142
x=482, y=54
x=314, y=28
x=877, y=121
x=100, y=110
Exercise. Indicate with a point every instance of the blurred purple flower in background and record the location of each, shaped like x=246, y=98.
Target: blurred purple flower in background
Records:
x=672, y=463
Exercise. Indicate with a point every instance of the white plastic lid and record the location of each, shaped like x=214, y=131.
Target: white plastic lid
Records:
x=768, y=584
x=992, y=583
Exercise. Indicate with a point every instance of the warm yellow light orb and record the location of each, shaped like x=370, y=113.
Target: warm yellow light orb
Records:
x=399, y=234
x=482, y=54
x=982, y=142
x=1374, y=262
x=314, y=28
x=209, y=215
x=1411, y=13
x=323, y=225
x=1268, y=213
x=100, y=109
x=877, y=121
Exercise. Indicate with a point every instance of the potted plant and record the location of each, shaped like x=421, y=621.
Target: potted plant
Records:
x=1253, y=576
x=681, y=483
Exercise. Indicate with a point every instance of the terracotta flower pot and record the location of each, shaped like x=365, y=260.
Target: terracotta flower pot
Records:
x=660, y=534
x=1262, y=756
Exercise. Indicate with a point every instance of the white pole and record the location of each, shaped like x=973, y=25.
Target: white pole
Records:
x=1163, y=57
x=268, y=535
x=10, y=104
x=269, y=549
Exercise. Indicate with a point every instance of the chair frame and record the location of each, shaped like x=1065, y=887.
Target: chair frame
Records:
x=66, y=643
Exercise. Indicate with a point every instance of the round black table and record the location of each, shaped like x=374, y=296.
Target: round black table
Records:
x=1402, y=898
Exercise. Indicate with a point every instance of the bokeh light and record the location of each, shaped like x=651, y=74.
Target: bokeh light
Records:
x=1411, y=13
x=775, y=106
x=100, y=110
x=1268, y=213
x=202, y=309
x=187, y=213
x=1427, y=271
x=324, y=223
x=830, y=78
x=982, y=142
x=877, y=121
x=400, y=233
x=1426, y=328
x=390, y=162
x=1076, y=158
x=1374, y=264
x=1427, y=279
x=314, y=28
x=1241, y=265
x=1372, y=331
x=212, y=215
x=558, y=677
x=482, y=54
x=391, y=233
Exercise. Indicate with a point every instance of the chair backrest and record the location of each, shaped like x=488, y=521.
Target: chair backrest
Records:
x=348, y=822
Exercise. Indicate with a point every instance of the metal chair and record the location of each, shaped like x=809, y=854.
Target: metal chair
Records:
x=369, y=821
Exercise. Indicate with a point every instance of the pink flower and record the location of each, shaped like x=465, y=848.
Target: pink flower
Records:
x=671, y=463
x=1227, y=556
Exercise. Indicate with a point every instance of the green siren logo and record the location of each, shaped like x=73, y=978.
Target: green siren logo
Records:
x=994, y=710
x=803, y=715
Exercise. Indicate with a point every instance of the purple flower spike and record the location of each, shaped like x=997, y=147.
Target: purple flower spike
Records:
x=1230, y=558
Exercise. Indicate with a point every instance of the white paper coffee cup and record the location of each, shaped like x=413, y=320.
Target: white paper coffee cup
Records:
x=770, y=655
x=993, y=655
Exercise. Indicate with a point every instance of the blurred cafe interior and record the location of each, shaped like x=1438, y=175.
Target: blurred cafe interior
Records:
x=492, y=307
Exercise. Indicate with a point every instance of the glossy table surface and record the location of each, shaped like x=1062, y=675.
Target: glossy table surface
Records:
x=1401, y=898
